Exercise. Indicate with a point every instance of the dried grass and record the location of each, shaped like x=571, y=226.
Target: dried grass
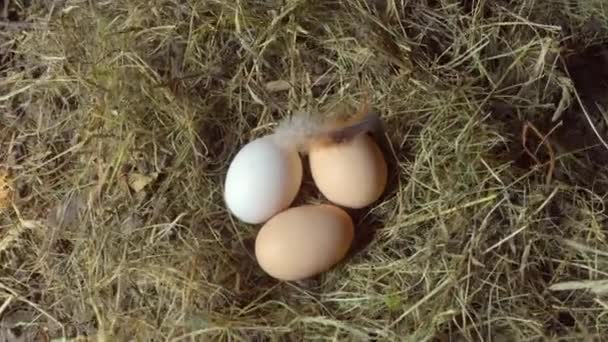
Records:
x=119, y=119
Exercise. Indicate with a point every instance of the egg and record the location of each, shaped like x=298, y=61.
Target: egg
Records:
x=304, y=241
x=351, y=174
x=262, y=180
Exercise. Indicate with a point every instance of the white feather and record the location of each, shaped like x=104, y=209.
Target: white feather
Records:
x=298, y=130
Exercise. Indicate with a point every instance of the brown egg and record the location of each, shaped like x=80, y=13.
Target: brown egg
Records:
x=352, y=174
x=304, y=241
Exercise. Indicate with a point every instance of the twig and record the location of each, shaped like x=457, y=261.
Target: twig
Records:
x=543, y=139
x=558, y=125
x=524, y=140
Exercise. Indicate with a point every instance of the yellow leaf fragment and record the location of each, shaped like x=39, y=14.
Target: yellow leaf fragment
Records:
x=277, y=86
x=138, y=181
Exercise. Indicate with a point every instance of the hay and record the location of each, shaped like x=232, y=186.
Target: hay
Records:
x=119, y=119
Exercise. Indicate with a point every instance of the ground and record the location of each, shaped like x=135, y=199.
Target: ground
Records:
x=118, y=120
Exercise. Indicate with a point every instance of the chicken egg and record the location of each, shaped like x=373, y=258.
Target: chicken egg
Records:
x=304, y=241
x=262, y=180
x=352, y=173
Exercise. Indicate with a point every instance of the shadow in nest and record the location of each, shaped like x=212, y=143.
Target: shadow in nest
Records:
x=584, y=125
x=572, y=141
x=366, y=222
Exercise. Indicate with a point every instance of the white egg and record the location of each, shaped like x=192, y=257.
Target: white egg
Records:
x=262, y=180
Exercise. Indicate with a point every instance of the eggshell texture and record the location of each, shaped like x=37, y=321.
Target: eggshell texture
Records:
x=352, y=174
x=304, y=241
x=262, y=180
